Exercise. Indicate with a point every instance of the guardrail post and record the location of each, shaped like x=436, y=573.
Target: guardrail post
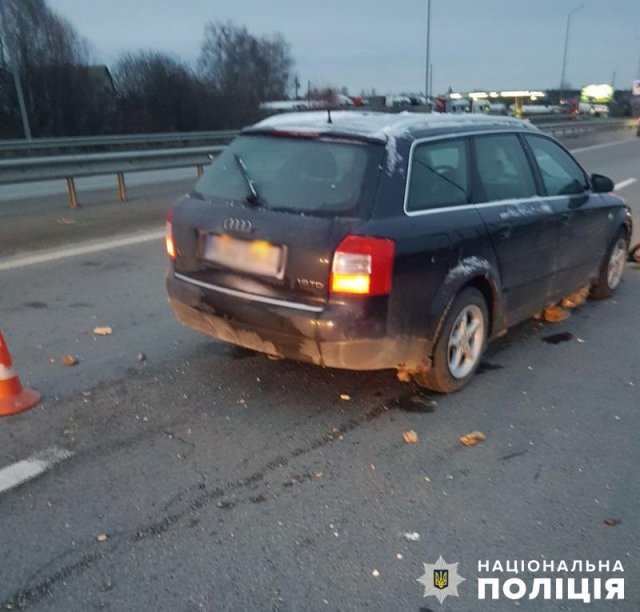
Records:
x=122, y=187
x=73, y=196
x=200, y=168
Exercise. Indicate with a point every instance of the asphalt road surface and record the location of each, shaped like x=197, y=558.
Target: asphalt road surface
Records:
x=206, y=477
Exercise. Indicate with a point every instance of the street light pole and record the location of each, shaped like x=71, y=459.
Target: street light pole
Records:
x=18, y=84
x=428, y=65
x=21, y=104
x=566, y=45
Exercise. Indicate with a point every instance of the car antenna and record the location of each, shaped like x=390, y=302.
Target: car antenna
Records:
x=329, y=119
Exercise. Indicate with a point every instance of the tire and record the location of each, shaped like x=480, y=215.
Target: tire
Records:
x=470, y=307
x=612, y=267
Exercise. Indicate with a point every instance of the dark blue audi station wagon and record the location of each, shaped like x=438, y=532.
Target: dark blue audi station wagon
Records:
x=371, y=241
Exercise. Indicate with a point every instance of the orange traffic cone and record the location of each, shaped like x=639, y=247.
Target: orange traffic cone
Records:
x=13, y=397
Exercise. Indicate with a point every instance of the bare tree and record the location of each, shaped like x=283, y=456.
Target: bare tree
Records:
x=242, y=70
x=158, y=92
x=52, y=61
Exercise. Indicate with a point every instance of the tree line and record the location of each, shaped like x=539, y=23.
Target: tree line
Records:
x=67, y=94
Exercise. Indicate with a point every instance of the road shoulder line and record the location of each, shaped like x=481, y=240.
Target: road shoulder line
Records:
x=22, y=471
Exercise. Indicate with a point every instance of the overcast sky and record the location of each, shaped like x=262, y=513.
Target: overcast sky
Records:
x=488, y=44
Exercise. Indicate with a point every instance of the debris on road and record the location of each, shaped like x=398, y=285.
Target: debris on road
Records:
x=414, y=402
x=558, y=338
x=375, y=573
x=317, y=474
x=471, y=439
x=70, y=360
x=102, y=331
x=412, y=536
x=612, y=522
x=102, y=537
x=344, y=397
x=410, y=437
x=576, y=299
x=65, y=221
x=142, y=357
x=555, y=314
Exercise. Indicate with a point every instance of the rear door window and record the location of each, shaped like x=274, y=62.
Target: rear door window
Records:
x=503, y=171
x=303, y=175
x=560, y=173
x=439, y=175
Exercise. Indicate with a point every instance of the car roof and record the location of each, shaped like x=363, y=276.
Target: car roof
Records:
x=383, y=127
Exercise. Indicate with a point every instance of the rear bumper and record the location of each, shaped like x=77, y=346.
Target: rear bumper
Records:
x=336, y=336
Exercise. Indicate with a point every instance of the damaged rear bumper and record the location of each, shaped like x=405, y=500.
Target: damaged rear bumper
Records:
x=326, y=336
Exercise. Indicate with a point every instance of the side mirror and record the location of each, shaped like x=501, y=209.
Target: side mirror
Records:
x=602, y=184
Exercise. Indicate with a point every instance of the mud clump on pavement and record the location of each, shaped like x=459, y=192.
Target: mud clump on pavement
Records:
x=471, y=439
x=410, y=437
x=555, y=314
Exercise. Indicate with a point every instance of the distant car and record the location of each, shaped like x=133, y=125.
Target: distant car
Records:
x=369, y=241
x=599, y=110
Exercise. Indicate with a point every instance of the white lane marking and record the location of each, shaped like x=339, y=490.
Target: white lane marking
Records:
x=22, y=471
x=601, y=145
x=81, y=249
x=625, y=183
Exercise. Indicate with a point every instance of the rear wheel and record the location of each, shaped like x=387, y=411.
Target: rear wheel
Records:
x=611, y=268
x=461, y=343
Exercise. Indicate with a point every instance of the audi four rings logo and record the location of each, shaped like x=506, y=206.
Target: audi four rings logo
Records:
x=232, y=224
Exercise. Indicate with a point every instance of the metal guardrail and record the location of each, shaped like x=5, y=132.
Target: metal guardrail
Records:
x=70, y=167
x=117, y=140
x=582, y=126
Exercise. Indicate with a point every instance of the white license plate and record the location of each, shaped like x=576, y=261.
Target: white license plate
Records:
x=252, y=256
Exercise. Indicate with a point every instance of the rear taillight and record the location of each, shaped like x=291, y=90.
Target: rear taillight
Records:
x=362, y=266
x=171, y=247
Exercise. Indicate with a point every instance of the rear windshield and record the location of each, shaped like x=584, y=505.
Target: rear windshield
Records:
x=303, y=175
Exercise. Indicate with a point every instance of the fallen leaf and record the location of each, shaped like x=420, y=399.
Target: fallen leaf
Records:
x=471, y=439
x=410, y=437
x=102, y=537
x=318, y=474
x=576, y=299
x=612, y=522
x=103, y=331
x=69, y=360
x=344, y=397
x=555, y=314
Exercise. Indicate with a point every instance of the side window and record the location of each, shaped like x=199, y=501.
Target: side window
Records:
x=503, y=170
x=561, y=174
x=439, y=175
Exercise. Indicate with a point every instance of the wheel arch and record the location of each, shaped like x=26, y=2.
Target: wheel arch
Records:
x=474, y=272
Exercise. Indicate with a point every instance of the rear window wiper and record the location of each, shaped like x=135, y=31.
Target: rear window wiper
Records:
x=253, y=197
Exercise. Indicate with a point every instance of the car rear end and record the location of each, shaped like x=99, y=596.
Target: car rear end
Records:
x=270, y=250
